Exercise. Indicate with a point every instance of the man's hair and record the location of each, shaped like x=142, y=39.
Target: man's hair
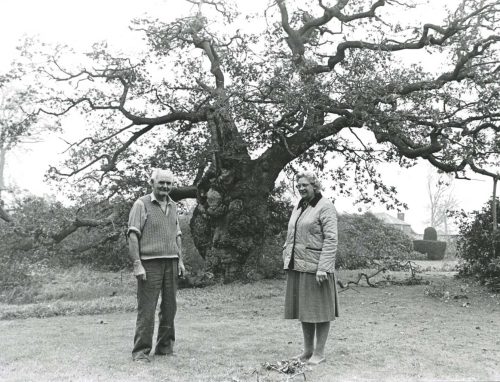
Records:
x=311, y=178
x=159, y=171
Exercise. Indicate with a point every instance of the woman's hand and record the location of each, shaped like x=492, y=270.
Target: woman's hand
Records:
x=321, y=276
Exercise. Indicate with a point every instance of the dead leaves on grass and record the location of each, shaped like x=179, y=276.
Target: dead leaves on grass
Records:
x=440, y=292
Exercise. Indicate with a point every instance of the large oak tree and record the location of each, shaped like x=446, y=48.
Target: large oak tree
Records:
x=230, y=101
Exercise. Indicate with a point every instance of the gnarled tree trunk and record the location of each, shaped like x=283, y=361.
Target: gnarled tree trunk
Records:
x=229, y=223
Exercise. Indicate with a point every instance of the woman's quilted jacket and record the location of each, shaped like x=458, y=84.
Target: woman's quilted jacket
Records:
x=312, y=237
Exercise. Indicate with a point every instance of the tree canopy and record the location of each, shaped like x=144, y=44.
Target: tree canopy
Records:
x=296, y=81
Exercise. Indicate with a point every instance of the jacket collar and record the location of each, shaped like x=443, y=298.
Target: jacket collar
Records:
x=303, y=204
x=153, y=199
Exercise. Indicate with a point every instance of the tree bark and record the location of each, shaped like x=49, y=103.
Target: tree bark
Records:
x=494, y=222
x=494, y=206
x=229, y=223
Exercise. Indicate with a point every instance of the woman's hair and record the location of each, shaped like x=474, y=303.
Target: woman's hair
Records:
x=311, y=178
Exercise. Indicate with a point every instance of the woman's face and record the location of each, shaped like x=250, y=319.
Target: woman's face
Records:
x=306, y=189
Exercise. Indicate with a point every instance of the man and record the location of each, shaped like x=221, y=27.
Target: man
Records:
x=154, y=239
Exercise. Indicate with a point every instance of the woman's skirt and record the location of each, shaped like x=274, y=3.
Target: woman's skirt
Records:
x=307, y=301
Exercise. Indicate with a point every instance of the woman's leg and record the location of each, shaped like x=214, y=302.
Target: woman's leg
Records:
x=308, y=330
x=322, y=329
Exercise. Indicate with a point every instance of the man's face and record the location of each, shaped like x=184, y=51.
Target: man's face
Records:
x=162, y=186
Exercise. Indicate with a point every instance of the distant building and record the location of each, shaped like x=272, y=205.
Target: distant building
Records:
x=396, y=222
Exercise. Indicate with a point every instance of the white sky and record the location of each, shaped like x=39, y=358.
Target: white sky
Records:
x=79, y=24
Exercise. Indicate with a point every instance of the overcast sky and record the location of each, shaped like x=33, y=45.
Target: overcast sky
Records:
x=94, y=20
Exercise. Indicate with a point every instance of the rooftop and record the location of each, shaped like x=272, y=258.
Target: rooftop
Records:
x=388, y=219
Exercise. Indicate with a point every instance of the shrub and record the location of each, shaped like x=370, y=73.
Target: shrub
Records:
x=430, y=234
x=479, y=247
x=414, y=255
x=20, y=248
x=365, y=238
x=28, y=241
x=430, y=246
x=433, y=249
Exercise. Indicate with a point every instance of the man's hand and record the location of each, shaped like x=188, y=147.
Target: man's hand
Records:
x=182, y=269
x=321, y=276
x=139, y=270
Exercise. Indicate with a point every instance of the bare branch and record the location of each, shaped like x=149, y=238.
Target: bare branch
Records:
x=97, y=141
x=335, y=12
x=212, y=55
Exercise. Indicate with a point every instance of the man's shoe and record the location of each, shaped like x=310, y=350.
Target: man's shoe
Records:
x=142, y=359
x=165, y=350
x=169, y=352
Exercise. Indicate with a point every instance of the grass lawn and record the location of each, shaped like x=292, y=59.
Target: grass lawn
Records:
x=445, y=331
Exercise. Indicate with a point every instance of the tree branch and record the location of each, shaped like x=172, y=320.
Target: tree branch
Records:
x=82, y=222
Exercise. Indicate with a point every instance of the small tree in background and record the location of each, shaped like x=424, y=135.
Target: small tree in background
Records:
x=479, y=246
x=441, y=199
x=20, y=125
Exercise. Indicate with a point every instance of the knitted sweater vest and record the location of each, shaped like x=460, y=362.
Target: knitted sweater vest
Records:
x=159, y=232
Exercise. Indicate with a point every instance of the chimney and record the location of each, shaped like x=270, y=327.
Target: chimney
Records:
x=401, y=216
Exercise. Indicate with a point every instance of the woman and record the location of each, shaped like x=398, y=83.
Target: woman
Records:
x=309, y=258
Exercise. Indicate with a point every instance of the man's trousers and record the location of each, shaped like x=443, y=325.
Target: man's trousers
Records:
x=161, y=277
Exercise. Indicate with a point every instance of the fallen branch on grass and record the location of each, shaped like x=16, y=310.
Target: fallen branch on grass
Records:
x=113, y=236
x=82, y=222
x=367, y=277
x=396, y=265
